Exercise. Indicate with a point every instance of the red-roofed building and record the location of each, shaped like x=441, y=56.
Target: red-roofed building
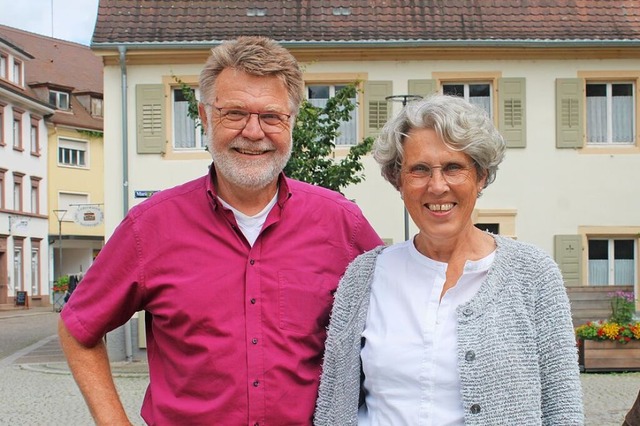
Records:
x=559, y=78
x=64, y=166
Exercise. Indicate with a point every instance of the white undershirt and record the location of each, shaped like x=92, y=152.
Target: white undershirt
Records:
x=410, y=355
x=251, y=225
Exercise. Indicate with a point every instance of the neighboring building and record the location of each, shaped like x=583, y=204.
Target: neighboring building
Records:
x=560, y=80
x=23, y=181
x=67, y=77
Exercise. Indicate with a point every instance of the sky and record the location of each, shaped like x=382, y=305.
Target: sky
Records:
x=73, y=20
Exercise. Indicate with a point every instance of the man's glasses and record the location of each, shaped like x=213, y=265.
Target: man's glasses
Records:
x=420, y=174
x=237, y=119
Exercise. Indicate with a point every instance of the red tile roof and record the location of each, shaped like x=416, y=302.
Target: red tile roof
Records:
x=60, y=63
x=161, y=21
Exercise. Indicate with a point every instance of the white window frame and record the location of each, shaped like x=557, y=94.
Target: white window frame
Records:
x=70, y=201
x=18, y=277
x=35, y=270
x=180, y=120
x=611, y=261
x=96, y=107
x=73, y=153
x=611, y=115
x=349, y=131
x=4, y=63
x=60, y=99
x=18, y=69
x=467, y=95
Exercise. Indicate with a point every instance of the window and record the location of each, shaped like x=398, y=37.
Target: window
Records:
x=59, y=99
x=478, y=94
x=35, y=195
x=70, y=201
x=17, y=192
x=35, y=136
x=2, y=139
x=612, y=261
x=96, y=107
x=318, y=96
x=186, y=130
x=17, y=72
x=493, y=228
x=610, y=113
x=72, y=153
x=17, y=129
x=4, y=63
x=18, y=273
x=2, y=172
x=35, y=267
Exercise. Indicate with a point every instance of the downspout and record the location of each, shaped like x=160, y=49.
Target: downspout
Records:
x=128, y=347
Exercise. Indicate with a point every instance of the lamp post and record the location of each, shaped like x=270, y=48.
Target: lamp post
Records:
x=404, y=99
x=60, y=216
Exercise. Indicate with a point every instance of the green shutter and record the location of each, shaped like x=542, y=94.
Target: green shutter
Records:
x=568, y=256
x=150, y=118
x=569, y=113
x=376, y=108
x=423, y=88
x=511, y=101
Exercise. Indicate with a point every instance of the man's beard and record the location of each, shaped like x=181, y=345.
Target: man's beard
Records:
x=251, y=173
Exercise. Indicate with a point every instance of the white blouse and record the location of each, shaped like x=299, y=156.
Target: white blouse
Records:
x=410, y=355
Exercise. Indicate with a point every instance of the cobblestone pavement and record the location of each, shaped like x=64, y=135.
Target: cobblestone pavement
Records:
x=36, y=389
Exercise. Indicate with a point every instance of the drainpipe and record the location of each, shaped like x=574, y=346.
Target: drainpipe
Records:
x=128, y=347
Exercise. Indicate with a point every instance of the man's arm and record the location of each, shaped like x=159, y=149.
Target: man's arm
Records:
x=92, y=372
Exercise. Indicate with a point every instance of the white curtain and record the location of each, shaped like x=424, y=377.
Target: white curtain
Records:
x=347, y=132
x=483, y=102
x=184, y=127
x=599, y=272
x=622, y=119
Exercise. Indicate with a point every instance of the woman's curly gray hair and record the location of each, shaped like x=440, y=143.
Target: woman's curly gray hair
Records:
x=462, y=126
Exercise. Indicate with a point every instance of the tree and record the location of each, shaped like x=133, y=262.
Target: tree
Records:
x=314, y=134
x=312, y=158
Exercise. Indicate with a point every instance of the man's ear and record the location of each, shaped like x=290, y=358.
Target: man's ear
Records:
x=202, y=112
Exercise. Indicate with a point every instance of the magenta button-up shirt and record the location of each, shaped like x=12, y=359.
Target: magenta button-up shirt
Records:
x=235, y=334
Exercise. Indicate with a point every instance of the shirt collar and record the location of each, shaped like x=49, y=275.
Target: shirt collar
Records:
x=284, y=193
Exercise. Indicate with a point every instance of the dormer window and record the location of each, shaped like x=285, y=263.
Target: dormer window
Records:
x=4, y=61
x=96, y=107
x=256, y=12
x=59, y=99
x=17, y=72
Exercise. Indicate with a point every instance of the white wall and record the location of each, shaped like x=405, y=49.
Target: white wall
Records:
x=554, y=191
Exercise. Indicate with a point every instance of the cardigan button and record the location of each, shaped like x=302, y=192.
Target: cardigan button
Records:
x=475, y=408
x=470, y=356
x=467, y=312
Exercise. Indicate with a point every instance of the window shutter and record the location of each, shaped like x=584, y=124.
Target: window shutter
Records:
x=511, y=101
x=569, y=112
x=150, y=117
x=423, y=88
x=568, y=256
x=376, y=107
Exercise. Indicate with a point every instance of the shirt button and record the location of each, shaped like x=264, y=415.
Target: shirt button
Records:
x=253, y=301
x=254, y=340
x=252, y=261
x=470, y=356
x=257, y=383
x=475, y=409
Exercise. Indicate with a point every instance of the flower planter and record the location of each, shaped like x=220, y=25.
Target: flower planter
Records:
x=58, y=301
x=609, y=356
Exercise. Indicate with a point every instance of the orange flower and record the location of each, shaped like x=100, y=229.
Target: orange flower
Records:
x=610, y=330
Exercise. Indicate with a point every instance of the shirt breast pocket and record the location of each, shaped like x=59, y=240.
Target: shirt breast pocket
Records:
x=305, y=301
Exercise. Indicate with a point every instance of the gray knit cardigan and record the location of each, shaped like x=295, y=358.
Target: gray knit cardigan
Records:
x=517, y=356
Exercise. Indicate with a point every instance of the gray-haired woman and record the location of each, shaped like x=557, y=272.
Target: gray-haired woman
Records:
x=455, y=326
